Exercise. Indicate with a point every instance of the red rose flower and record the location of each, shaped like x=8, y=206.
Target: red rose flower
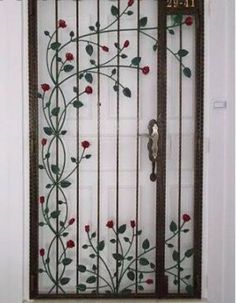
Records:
x=145, y=70
x=188, y=21
x=88, y=90
x=131, y=2
x=44, y=141
x=186, y=218
x=42, y=252
x=69, y=57
x=62, y=23
x=85, y=144
x=105, y=48
x=71, y=221
x=132, y=223
x=110, y=224
x=45, y=87
x=70, y=244
x=149, y=281
x=41, y=199
x=87, y=228
x=126, y=44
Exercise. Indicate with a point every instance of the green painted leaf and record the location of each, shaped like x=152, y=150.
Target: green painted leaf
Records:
x=92, y=28
x=121, y=229
x=129, y=258
x=68, y=68
x=140, y=287
x=62, y=223
x=88, y=156
x=40, y=270
x=39, y=96
x=55, y=214
x=48, y=131
x=127, y=92
x=72, y=34
x=189, y=289
x=152, y=265
x=94, y=267
x=175, y=282
x=41, y=223
x=93, y=235
x=189, y=253
x=175, y=255
x=116, y=88
x=113, y=72
x=91, y=279
x=89, y=77
x=55, y=111
x=124, y=56
x=141, y=276
x=143, y=261
x=177, y=19
x=113, y=241
x=154, y=47
x=73, y=159
x=173, y=226
x=185, y=230
x=170, y=245
x=55, y=45
x=47, y=156
x=60, y=202
x=89, y=49
x=47, y=261
x=97, y=24
x=187, y=72
x=135, y=61
x=187, y=277
x=48, y=186
x=66, y=261
x=65, y=234
x=126, y=291
x=126, y=239
x=142, y=22
x=85, y=246
x=81, y=76
x=92, y=256
x=55, y=169
x=146, y=244
x=101, y=245
x=139, y=232
x=63, y=132
x=65, y=184
x=77, y=104
x=171, y=31
x=93, y=62
x=131, y=275
x=46, y=33
x=81, y=268
x=129, y=13
x=41, y=166
x=183, y=52
x=118, y=256
x=81, y=287
x=114, y=10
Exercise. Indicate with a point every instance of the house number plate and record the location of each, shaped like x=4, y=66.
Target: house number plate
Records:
x=180, y=3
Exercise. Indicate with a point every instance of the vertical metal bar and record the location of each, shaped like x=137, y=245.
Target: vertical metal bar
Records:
x=137, y=154
x=98, y=139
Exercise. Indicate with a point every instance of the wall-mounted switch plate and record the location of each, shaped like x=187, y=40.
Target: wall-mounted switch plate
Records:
x=219, y=104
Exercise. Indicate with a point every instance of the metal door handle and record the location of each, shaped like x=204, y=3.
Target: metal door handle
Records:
x=153, y=146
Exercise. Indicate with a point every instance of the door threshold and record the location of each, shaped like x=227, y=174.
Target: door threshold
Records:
x=120, y=300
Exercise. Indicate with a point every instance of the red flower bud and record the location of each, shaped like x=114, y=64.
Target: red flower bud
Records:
x=188, y=21
x=41, y=199
x=85, y=144
x=62, y=23
x=126, y=44
x=131, y=2
x=186, y=218
x=42, y=252
x=45, y=87
x=149, y=281
x=145, y=70
x=70, y=244
x=87, y=228
x=132, y=223
x=44, y=141
x=71, y=221
x=105, y=48
x=69, y=57
x=110, y=224
x=88, y=90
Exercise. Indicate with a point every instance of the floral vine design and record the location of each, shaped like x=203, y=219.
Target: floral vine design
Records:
x=54, y=208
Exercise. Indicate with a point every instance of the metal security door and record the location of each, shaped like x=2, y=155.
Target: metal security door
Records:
x=116, y=113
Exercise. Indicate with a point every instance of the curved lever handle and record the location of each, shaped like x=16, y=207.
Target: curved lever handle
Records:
x=153, y=146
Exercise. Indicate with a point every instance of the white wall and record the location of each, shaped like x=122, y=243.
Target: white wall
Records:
x=219, y=175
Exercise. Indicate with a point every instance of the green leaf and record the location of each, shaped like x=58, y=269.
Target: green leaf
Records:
x=129, y=258
x=173, y=226
x=91, y=279
x=41, y=223
x=93, y=62
x=55, y=169
x=171, y=31
x=77, y=104
x=126, y=291
x=175, y=255
x=55, y=214
x=48, y=131
x=129, y=13
x=187, y=72
x=116, y=88
x=185, y=230
x=139, y=232
x=47, y=261
x=131, y=275
x=183, y=52
x=41, y=166
x=126, y=239
x=94, y=267
x=141, y=276
x=114, y=10
x=40, y=270
x=146, y=244
x=46, y=33
x=81, y=76
x=92, y=256
x=93, y=235
x=73, y=159
x=113, y=241
x=55, y=45
x=68, y=68
x=55, y=111
x=62, y=223
x=187, y=277
x=89, y=49
x=92, y=28
x=152, y=265
x=63, y=132
x=48, y=186
x=140, y=287
x=65, y=234
x=113, y=72
x=47, y=155
x=60, y=202
x=89, y=78
x=124, y=56
x=142, y=22
x=135, y=61
x=81, y=287
x=117, y=256
x=81, y=268
x=170, y=245
x=66, y=261
x=65, y=184
x=88, y=156
x=189, y=289
x=127, y=92
x=39, y=96
x=177, y=19
x=121, y=229
x=85, y=246
x=101, y=245
x=65, y=281
x=143, y=261
x=72, y=34
x=189, y=253
x=154, y=47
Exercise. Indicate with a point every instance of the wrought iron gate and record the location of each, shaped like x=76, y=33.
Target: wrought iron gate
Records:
x=116, y=133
